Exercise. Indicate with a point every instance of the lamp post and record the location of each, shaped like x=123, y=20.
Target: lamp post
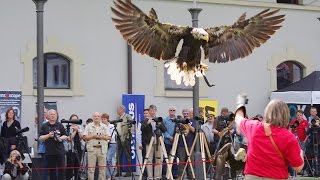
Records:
x=40, y=62
x=197, y=154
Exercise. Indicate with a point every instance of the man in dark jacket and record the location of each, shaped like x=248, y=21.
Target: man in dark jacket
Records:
x=153, y=127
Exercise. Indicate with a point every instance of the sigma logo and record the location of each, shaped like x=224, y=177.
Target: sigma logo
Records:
x=10, y=95
x=131, y=108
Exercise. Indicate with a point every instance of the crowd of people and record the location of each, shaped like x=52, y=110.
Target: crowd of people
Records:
x=104, y=146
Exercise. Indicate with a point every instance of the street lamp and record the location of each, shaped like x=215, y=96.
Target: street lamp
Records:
x=40, y=62
x=197, y=154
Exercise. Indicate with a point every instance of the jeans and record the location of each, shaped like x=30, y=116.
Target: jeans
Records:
x=111, y=159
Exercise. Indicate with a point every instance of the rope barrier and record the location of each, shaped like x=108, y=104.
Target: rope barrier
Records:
x=118, y=166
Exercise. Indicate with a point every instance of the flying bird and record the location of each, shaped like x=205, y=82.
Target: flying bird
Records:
x=147, y=35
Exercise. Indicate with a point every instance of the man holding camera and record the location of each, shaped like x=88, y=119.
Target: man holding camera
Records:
x=53, y=133
x=153, y=127
x=189, y=131
x=299, y=127
x=168, y=139
x=97, y=135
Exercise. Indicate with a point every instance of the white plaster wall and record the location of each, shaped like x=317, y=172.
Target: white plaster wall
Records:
x=87, y=26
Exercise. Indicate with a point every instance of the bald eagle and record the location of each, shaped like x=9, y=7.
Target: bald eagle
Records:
x=220, y=44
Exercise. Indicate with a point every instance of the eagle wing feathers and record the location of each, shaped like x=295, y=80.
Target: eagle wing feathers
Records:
x=145, y=33
x=227, y=43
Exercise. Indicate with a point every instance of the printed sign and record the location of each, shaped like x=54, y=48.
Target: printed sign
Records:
x=10, y=99
x=209, y=106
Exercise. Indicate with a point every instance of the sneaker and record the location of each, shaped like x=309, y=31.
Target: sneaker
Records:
x=117, y=175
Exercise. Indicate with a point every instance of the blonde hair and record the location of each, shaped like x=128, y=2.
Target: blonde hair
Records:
x=17, y=153
x=277, y=113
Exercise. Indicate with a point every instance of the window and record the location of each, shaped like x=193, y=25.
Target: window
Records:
x=56, y=71
x=172, y=85
x=288, y=72
x=288, y=1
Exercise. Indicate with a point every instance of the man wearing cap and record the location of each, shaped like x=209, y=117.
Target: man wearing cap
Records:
x=208, y=131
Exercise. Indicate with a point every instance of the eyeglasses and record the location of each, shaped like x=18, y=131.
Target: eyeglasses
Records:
x=172, y=110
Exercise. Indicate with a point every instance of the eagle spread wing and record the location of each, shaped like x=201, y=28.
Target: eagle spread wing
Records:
x=145, y=33
x=221, y=44
x=238, y=40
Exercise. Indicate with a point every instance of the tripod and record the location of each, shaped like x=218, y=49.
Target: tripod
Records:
x=316, y=149
x=74, y=152
x=304, y=154
x=23, y=147
x=159, y=139
x=204, y=150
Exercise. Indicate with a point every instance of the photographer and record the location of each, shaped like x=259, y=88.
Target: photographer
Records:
x=150, y=127
x=125, y=148
x=299, y=127
x=53, y=133
x=73, y=148
x=312, y=145
x=14, y=168
x=189, y=130
x=220, y=124
x=168, y=140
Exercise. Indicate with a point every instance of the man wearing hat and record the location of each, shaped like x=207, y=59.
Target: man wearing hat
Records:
x=208, y=131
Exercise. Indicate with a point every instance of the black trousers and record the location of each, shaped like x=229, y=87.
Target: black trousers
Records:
x=56, y=163
x=124, y=150
x=73, y=160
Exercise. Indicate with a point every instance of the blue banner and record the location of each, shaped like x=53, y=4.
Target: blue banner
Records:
x=134, y=106
x=10, y=99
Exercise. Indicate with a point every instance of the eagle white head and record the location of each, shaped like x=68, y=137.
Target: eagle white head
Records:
x=199, y=33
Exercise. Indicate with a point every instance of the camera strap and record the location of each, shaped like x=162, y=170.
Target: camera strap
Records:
x=268, y=133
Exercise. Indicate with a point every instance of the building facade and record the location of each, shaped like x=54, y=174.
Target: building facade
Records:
x=87, y=59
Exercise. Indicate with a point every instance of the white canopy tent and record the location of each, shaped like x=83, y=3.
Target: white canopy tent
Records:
x=305, y=91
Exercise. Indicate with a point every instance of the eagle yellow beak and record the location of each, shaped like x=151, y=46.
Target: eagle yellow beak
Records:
x=206, y=38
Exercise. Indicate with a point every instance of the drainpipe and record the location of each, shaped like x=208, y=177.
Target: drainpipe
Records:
x=129, y=60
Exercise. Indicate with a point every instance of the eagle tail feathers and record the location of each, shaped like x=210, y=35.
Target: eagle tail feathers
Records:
x=181, y=72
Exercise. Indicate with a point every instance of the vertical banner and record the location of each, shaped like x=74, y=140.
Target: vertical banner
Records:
x=10, y=99
x=209, y=106
x=134, y=106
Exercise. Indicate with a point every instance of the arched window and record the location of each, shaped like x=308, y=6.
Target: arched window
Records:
x=56, y=71
x=288, y=72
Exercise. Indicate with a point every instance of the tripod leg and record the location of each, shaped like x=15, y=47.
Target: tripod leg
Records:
x=203, y=153
x=165, y=155
x=172, y=153
x=188, y=156
x=191, y=151
x=146, y=158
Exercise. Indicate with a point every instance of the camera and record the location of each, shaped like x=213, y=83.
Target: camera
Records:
x=200, y=119
x=20, y=131
x=158, y=119
x=116, y=121
x=295, y=124
x=181, y=121
x=18, y=158
x=77, y=121
x=57, y=135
